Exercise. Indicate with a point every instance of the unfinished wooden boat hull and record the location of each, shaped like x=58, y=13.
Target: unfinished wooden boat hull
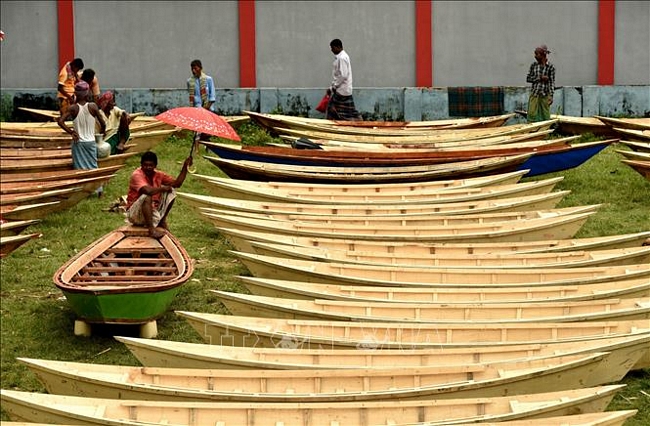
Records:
x=232, y=330
x=629, y=351
x=124, y=277
x=37, y=407
x=399, y=188
x=641, y=167
x=626, y=123
x=528, y=230
x=571, y=125
x=318, y=385
x=38, y=166
x=29, y=211
x=615, y=257
x=626, y=289
x=439, y=135
x=637, y=146
x=27, y=179
x=15, y=227
x=563, y=158
x=524, y=203
x=10, y=244
x=392, y=276
x=439, y=313
x=253, y=170
x=633, y=135
x=241, y=240
x=224, y=189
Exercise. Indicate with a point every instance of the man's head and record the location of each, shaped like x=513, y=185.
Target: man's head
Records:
x=336, y=46
x=106, y=101
x=197, y=67
x=77, y=65
x=81, y=90
x=541, y=52
x=88, y=75
x=148, y=162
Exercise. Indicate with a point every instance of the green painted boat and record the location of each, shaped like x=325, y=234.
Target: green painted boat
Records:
x=125, y=277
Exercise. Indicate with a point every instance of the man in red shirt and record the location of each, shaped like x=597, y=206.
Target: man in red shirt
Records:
x=151, y=194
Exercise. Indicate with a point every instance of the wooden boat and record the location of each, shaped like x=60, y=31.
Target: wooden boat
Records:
x=231, y=330
x=41, y=153
x=570, y=259
x=641, y=167
x=140, y=141
x=241, y=241
x=8, y=166
x=269, y=121
x=15, y=227
x=634, y=155
x=526, y=230
x=393, y=276
x=124, y=277
x=633, y=135
x=439, y=313
x=525, y=203
x=626, y=123
x=11, y=243
x=320, y=385
x=66, y=196
x=28, y=211
x=387, y=158
x=252, y=170
x=572, y=125
x=38, y=407
x=172, y=354
x=34, y=179
x=86, y=184
x=628, y=289
x=408, y=221
x=440, y=135
x=333, y=144
x=400, y=188
x=608, y=418
x=224, y=189
x=637, y=146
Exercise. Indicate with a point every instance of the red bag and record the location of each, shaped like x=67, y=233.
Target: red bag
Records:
x=322, y=105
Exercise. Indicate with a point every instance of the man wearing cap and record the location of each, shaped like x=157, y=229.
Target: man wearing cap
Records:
x=542, y=77
x=84, y=115
x=117, y=122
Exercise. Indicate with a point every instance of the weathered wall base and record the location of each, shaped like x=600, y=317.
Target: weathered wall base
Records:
x=403, y=103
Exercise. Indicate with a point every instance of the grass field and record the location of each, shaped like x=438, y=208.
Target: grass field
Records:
x=38, y=323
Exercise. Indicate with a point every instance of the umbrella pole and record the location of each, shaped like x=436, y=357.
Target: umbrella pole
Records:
x=196, y=135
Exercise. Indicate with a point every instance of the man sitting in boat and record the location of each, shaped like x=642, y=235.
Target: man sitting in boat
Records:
x=151, y=194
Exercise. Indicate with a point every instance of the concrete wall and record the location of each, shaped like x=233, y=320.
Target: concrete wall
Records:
x=392, y=103
x=149, y=44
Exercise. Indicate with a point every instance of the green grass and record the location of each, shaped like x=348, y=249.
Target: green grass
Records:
x=38, y=323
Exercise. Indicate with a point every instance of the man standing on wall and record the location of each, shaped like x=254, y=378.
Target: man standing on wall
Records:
x=68, y=77
x=201, y=90
x=341, y=104
x=542, y=77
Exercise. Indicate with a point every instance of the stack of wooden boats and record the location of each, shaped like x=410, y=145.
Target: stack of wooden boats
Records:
x=328, y=151
x=32, y=189
x=438, y=302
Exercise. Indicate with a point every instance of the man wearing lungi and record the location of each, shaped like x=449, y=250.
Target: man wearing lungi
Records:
x=542, y=77
x=341, y=104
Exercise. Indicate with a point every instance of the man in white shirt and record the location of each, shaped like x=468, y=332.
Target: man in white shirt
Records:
x=341, y=104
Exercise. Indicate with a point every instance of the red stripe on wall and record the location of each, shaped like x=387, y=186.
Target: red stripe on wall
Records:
x=606, y=41
x=247, y=70
x=65, y=15
x=423, y=44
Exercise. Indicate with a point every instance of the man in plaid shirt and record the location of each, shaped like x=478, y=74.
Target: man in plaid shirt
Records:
x=542, y=77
